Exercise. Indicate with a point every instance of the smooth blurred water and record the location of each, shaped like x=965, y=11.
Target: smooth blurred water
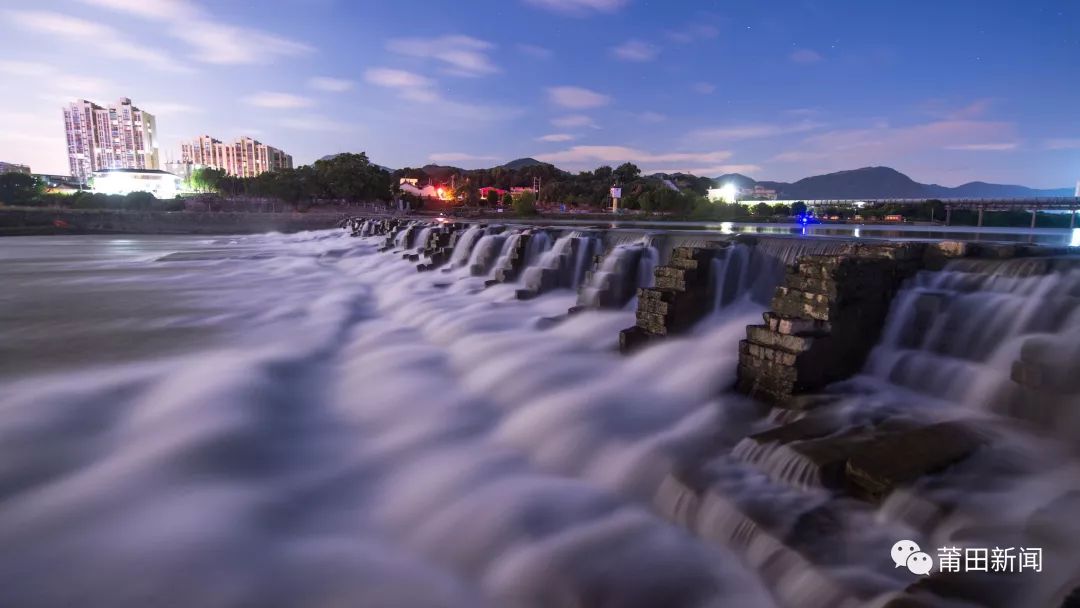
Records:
x=298, y=420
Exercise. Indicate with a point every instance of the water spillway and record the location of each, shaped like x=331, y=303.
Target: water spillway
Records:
x=307, y=420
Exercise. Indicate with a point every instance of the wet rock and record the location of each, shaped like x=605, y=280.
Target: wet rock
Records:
x=877, y=468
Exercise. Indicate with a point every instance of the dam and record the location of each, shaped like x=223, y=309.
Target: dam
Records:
x=416, y=412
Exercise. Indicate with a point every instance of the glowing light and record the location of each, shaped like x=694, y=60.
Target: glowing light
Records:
x=158, y=184
x=727, y=227
x=728, y=193
x=1075, y=242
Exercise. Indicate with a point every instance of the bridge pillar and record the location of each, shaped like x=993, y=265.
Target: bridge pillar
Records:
x=980, y=217
x=1033, y=213
x=948, y=216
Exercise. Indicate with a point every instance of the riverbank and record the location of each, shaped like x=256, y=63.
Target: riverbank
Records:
x=15, y=221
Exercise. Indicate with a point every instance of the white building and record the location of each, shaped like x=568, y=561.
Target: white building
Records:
x=161, y=184
x=119, y=136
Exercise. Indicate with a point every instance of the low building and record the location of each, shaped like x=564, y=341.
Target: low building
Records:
x=13, y=168
x=161, y=184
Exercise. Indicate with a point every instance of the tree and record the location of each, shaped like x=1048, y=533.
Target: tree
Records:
x=206, y=179
x=762, y=210
x=492, y=198
x=19, y=188
x=508, y=200
x=627, y=172
x=798, y=208
x=525, y=204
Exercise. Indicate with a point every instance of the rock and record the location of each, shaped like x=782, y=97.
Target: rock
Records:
x=892, y=460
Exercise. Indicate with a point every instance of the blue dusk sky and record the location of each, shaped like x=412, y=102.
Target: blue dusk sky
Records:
x=947, y=91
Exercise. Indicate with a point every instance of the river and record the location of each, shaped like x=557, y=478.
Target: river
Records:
x=300, y=420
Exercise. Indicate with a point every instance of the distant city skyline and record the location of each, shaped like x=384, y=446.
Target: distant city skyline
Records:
x=946, y=92
x=245, y=157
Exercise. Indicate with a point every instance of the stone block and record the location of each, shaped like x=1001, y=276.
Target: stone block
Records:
x=878, y=467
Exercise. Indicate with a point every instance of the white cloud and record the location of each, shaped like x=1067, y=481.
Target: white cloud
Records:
x=693, y=33
x=278, y=101
x=554, y=137
x=1063, y=144
x=457, y=157
x=635, y=50
x=169, y=108
x=884, y=144
x=212, y=40
x=711, y=170
x=670, y=162
x=579, y=8
x=109, y=41
x=315, y=122
x=420, y=89
x=704, y=88
x=650, y=117
x=409, y=85
x=330, y=85
x=535, y=51
x=992, y=147
x=754, y=131
x=806, y=56
x=572, y=121
x=577, y=97
x=460, y=55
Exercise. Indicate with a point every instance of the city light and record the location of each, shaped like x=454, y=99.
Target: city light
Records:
x=728, y=193
x=159, y=184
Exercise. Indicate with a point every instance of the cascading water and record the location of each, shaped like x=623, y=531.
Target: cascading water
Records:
x=955, y=334
x=564, y=265
x=463, y=247
x=485, y=254
x=622, y=271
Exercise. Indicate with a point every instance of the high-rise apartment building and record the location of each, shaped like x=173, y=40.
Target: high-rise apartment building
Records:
x=245, y=157
x=119, y=136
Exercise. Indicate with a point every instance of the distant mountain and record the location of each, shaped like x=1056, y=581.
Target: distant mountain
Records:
x=884, y=182
x=738, y=179
x=521, y=163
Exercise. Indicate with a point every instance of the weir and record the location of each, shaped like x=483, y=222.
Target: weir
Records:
x=887, y=382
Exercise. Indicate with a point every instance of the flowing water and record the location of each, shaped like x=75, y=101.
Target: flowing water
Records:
x=300, y=420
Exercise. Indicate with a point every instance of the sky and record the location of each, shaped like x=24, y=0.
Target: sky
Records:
x=947, y=91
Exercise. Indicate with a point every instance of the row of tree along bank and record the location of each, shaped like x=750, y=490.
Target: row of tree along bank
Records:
x=345, y=180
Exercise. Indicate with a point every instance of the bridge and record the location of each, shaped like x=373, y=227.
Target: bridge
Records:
x=982, y=205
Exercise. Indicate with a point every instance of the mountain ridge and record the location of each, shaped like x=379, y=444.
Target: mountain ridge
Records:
x=886, y=182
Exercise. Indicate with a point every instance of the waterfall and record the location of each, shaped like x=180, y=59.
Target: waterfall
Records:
x=539, y=243
x=730, y=275
x=564, y=265
x=959, y=334
x=464, y=245
x=509, y=245
x=485, y=253
x=422, y=239
x=624, y=269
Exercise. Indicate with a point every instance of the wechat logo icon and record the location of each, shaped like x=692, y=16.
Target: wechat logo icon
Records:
x=907, y=553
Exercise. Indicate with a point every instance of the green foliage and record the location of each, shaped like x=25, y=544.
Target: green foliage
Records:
x=19, y=189
x=205, y=179
x=762, y=210
x=626, y=173
x=525, y=204
x=492, y=199
x=798, y=208
x=508, y=200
